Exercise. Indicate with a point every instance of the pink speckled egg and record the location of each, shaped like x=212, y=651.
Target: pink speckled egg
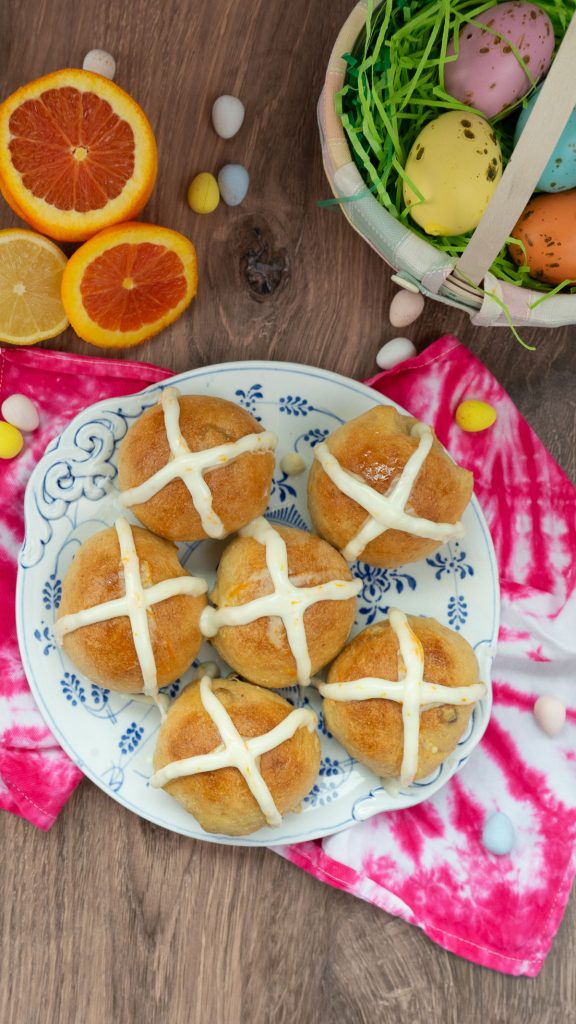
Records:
x=405, y=308
x=486, y=73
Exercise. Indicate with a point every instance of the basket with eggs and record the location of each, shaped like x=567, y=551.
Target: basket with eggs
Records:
x=449, y=140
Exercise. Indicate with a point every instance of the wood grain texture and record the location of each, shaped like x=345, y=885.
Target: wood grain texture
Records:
x=107, y=918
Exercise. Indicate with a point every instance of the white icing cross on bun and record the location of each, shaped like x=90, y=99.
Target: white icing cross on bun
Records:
x=411, y=691
x=190, y=466
x=287, y=602
x=135, y=604
x=387, y=511
x=237, y=752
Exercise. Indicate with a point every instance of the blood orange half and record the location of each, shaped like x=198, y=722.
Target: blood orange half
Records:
x=127, y=283
x=77, y=154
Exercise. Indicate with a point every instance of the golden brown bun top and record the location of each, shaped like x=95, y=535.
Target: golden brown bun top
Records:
x=259, y=650
x=448, y=658
x=377, y=445
x=221, y=800
x=96, y=574
x=190, y=731
x=243, y=574
x=205, y=422
x=373, y=730
x=105, y=651
x=240, y=489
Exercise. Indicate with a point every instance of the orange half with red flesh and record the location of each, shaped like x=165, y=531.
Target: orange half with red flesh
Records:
x=77, y=154
x=129, y=282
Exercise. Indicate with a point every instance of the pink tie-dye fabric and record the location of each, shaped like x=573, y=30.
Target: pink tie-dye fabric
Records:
x=426, y=865
x=36, y=776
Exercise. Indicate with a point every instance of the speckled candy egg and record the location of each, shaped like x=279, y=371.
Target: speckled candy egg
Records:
x=486, y=73
x=560, y=171
x=100, y=62
x=405, y=308
x=456, y=164
x=548, y=230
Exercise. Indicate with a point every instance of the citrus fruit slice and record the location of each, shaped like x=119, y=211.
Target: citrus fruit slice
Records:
x=31, y=270
x=129, y=282
x=77, y=154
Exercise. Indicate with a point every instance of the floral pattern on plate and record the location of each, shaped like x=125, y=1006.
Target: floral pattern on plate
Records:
x=72, y=494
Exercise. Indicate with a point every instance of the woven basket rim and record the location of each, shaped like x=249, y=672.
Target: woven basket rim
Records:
x=337, y=145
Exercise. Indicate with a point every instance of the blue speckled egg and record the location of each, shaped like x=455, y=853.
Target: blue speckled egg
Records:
x=498, y=834
x=233, y=180
x=560, y=171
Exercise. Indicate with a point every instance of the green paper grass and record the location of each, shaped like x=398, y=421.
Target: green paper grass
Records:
x=395, y=85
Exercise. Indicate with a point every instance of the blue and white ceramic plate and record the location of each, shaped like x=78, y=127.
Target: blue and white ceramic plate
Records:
x=111, y=737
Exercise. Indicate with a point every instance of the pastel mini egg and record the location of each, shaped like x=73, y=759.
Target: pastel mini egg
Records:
x=233, y=180
x=227, y=116
x=560, y=171
x=474, y=415
x=405, y=308
x=203, y=193
x=21, y=412
x=11, y=441
x=486, y=73
x=394, y=352
x=456, y=164
x=292, y=464
x=547, y=229
x=100, y=62
x=550, y=714
x=498, y=834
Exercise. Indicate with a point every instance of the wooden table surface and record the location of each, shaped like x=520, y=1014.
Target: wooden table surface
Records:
x=107, y=918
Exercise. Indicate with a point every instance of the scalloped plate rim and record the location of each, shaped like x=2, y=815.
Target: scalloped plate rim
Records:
x=63, y=442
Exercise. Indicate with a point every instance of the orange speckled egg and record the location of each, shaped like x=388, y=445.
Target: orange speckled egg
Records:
x=548, y=230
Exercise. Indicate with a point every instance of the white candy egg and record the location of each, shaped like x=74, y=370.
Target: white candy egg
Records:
x=100, y=62
x=405, y=308
x=21, y=412
x=550, y=714
x=395, y=351
x=233, y=181
x=292, y=464
x=498, y=834
x=227, y=116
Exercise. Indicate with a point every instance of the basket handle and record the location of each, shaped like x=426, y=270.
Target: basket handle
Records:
x=535, y=147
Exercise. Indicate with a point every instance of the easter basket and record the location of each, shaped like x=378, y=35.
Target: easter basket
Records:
x=469, y=277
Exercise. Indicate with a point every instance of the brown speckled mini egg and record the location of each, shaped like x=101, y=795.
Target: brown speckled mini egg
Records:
x=485, y=72
x=455, y=164
x=548, y=230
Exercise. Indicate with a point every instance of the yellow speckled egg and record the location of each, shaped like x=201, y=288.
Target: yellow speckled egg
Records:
x=203, y=193
x=455, y=163
x=11, y=441
x=474, y=415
